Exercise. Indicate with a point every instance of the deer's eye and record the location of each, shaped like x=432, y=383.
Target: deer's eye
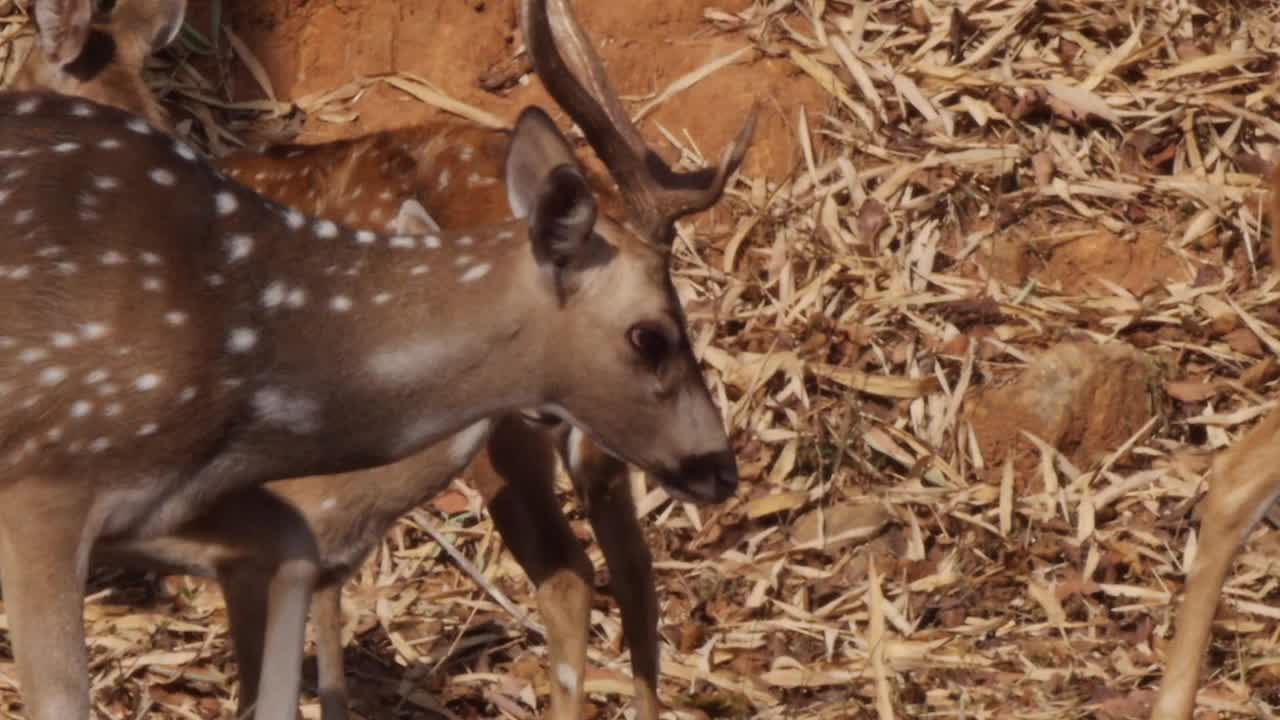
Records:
x=650, y=343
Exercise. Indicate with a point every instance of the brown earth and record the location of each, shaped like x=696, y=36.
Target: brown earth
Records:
x=467, y=50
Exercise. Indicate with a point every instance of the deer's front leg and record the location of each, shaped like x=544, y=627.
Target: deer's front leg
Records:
x=268, y=564
x=43, y=569
x=602, y=481
x=516, y=476
x=1246, y=482
x=326, y=618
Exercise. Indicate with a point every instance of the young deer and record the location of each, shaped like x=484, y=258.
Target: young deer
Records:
x=368, y=182
x=156, y=363
x=1244, y=486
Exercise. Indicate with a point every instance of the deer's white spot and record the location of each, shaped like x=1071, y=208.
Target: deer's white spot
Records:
x=81, y=408
x=293, y=411
x=105, y=182
x=567, y=677
x=100, y=445
x=139, y=126
x=175, y=318
x=15, y=175
x=151, y=283
x=147, y=382
x=382, y=298
x=364, y=237
x=109, y=144
x=273, y=294
x=467, y=153
x=357, y=192
x=419, y=270
x=111, y=257
x=329, y=504
x=93, y=330
x=82, y=110
x=188, y=394
x=385, y=195
x=31, y=356
x=49, y=251
x=296, y=298
x=239, y=247
x=463, y=260
x=163, y=176
x=184, y=151
x=89, y=215
x=22, y=217
x=294, y=219
x=402, y=242
x=430, y=242
x=476, y=272
x=506, y=235
x=7, y=343
x=63, y=340
x=467, y=441
x=28, y=106
x=51, y=376
x=242, y=340
x=66, y=147
x=54, y=434
x=22, y=272
x=326, y=230
x=443, y=181
x=340, y=303
x=147, y=429
x=4, y=195
x=403, y=363
x=108, y=390
x=477, y=180
x=149, y=258
x=466, y=241
x=376, y=215
x=96, y=376
x=213, y=280
x=226, y=203
x=113, y=409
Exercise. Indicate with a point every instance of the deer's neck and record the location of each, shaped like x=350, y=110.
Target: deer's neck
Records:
x=370, y=346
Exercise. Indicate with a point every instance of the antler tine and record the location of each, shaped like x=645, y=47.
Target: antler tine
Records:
x=563, y=57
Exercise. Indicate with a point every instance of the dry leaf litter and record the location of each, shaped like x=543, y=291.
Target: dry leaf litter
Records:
x=978, y=349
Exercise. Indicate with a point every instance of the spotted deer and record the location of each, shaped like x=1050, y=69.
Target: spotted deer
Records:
x=1245, y=483
x=375, y=498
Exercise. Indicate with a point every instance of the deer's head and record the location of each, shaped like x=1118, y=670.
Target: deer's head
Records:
x=96, y=49
x=618, y=269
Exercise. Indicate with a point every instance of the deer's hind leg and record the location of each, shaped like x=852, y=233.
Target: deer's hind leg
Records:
x=516, y=476
x=1245, y=482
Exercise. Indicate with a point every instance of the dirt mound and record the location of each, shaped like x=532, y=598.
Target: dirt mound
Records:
x=1083, y=399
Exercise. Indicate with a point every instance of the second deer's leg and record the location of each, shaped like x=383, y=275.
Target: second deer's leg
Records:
x=43, y=569
x=326, y=619
x=268, y=566
x=1245, y=482
x=516, y=476
x=602, y=481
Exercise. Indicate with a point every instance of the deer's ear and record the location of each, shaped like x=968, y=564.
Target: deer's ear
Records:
x=166, y=19
x=537, y=148
x=563, y=215
x=413, y=219
x=154, y=23
x=62, y=28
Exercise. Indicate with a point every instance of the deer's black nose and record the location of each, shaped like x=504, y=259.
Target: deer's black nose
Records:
x=708, y=478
